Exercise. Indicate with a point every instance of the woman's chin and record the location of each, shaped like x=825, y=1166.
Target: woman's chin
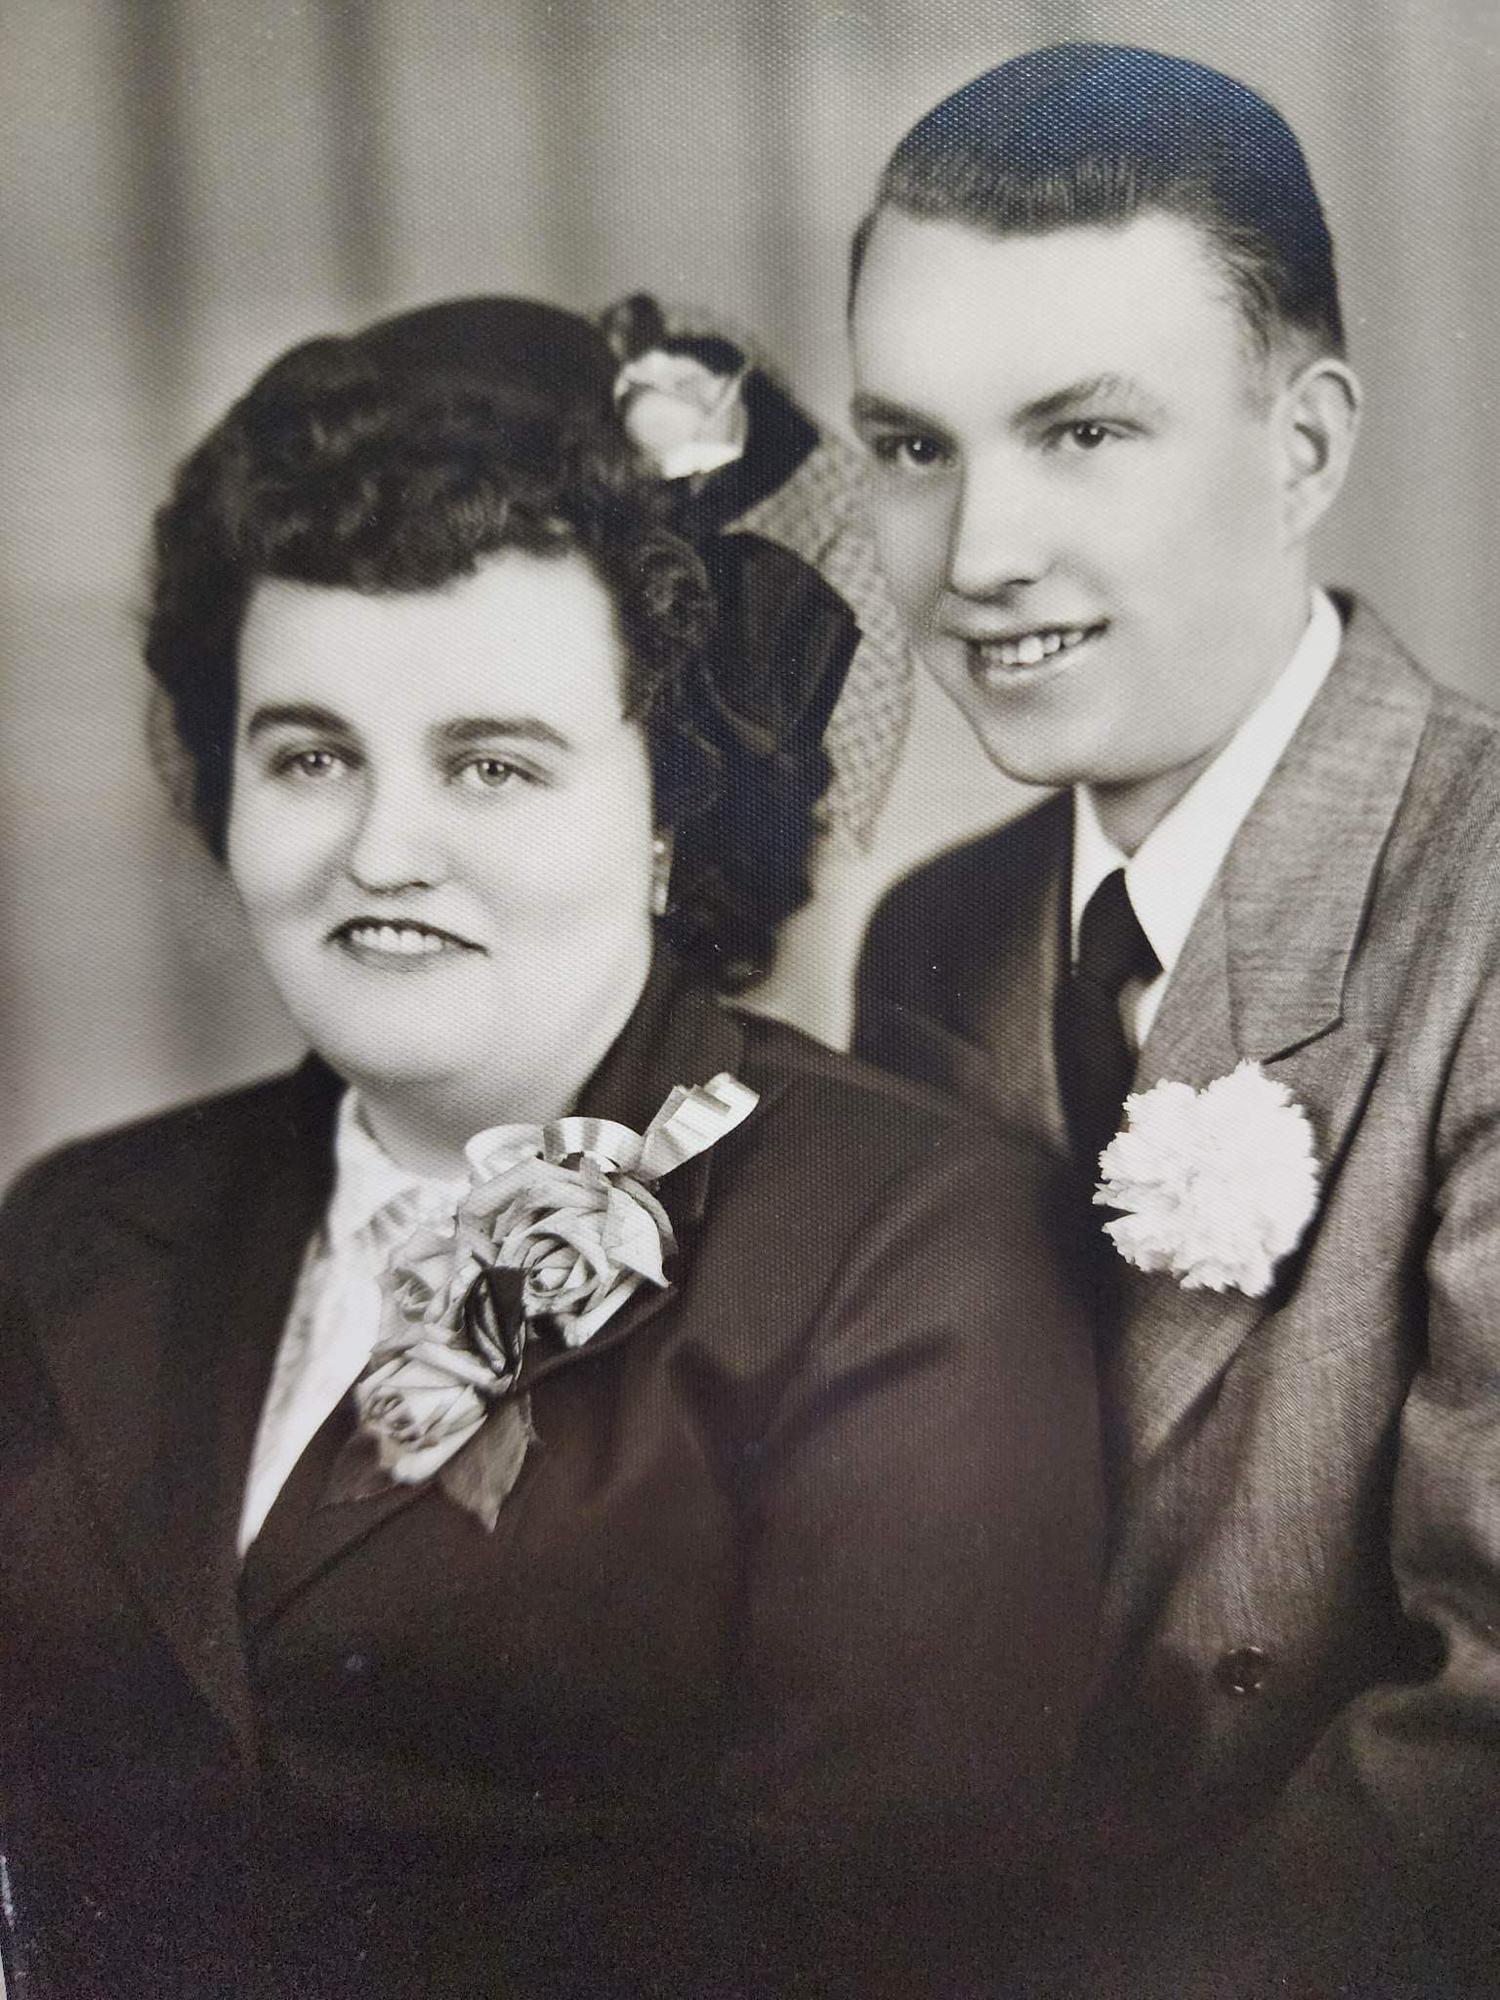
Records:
x=390, y=1066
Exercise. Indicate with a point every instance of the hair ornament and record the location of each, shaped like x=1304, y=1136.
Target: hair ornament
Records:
x=756, y=464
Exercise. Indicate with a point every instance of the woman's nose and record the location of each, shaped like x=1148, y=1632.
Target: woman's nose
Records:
x=995, y=543
x=396, y=843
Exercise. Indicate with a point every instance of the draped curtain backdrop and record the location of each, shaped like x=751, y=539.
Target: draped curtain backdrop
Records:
x=188, y=186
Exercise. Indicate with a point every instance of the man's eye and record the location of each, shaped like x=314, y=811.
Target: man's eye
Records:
x=909, y=451
x=1084, y=435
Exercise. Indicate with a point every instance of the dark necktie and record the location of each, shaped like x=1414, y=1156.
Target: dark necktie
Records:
x=1095, y=1062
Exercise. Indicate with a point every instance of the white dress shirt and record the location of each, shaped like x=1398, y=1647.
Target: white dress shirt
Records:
x=335, y=1314
x=1173, y=869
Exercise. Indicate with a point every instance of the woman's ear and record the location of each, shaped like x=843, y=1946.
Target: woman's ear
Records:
x=661, y=871
x=1318, y=421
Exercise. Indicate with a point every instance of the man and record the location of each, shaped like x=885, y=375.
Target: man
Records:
x=1100, y=374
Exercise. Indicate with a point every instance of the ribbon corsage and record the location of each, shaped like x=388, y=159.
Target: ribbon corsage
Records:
x=559, y=1228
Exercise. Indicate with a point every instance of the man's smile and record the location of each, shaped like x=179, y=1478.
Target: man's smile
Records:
x=1001, y=656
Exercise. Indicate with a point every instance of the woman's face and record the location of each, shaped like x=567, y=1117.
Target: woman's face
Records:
x=441, y=829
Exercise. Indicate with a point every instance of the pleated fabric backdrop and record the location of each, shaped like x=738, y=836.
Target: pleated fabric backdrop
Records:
x=188, y=186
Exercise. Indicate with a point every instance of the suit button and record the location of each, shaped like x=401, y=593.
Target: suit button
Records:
x=1244, y=1670
x=357, y=1666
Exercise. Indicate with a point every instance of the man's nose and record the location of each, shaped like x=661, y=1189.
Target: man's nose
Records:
x=997, y=542
x=397, y=843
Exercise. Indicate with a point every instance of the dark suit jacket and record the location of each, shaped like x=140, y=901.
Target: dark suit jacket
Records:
x=766, y=1675
x=1296, y=1747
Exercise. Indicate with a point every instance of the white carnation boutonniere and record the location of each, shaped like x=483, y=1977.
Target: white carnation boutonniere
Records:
x=685, y=416
x=1212, y=1186
x=560, y=1227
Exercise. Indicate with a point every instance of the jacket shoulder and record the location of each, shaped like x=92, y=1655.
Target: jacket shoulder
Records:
x=1442, y=861
x=846, y=1133
x=847, y=1088
x=1439, y=887
x=939, y=930
x=1461, y=748
x=1458, y=752
x=175, y=1150
x=942, y=890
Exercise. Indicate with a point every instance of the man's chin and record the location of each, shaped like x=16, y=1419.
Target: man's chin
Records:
x=1015, y=755
x=1040, y=740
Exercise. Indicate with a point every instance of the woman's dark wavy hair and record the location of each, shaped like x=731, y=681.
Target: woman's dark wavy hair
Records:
x=356, y=463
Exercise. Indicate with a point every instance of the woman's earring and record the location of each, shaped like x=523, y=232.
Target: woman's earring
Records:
x=661, y=874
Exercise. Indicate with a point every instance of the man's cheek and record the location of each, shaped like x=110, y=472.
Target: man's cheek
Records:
x=911, y=550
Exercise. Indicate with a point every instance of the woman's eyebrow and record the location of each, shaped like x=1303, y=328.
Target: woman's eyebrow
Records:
x=294, y=715
x=484, y=728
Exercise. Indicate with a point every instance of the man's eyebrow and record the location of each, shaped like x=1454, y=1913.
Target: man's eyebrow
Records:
x=1082, y=395
x=295, y=715
x=519, y=728
x=877, y=410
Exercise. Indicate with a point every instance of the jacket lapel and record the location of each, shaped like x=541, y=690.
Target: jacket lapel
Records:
x=678, y=1034
x=198, y=1263
x=1263, y=976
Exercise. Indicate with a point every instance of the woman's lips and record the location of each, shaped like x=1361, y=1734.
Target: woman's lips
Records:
x=397, y=946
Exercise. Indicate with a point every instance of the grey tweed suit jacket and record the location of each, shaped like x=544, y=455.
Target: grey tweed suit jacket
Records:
x=1292, y=1782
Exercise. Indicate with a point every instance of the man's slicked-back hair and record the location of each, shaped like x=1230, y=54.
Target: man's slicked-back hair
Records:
x=1094, y=134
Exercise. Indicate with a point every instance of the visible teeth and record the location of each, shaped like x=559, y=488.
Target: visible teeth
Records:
x=1034, y=647
x=395, y=937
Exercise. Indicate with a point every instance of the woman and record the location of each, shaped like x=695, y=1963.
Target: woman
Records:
x=477, y=1519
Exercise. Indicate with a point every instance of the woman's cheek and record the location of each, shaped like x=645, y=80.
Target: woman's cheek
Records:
x=584, y=850
x=579, y=871
x=277, y=852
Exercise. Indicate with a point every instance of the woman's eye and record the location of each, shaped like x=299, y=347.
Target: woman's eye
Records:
x=488, y=774
x=317, y=764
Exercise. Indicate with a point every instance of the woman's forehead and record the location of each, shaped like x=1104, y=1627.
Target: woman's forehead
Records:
x=524, y=635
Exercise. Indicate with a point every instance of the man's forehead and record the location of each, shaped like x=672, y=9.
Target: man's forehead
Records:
x=941, y=299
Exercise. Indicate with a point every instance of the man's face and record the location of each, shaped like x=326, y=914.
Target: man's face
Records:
x=1078, y=491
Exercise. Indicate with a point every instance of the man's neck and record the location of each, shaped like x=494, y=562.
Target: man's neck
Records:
x=1127, y=813
x=1130, y=811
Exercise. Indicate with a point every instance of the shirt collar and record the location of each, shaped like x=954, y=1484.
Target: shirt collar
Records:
x=366, y=1177
x=1171, y=871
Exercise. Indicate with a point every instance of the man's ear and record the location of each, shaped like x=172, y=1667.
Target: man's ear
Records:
x=1317, y=422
